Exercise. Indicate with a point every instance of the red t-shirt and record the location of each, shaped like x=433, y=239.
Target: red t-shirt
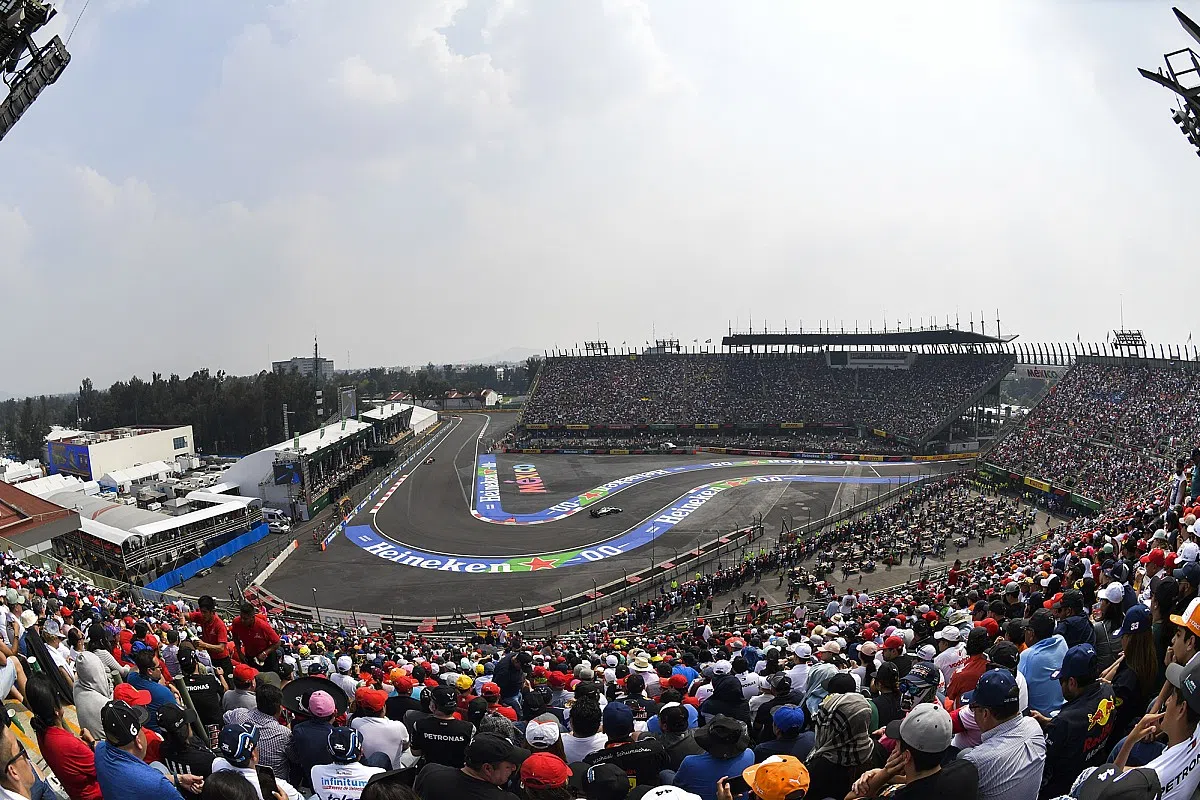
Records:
x=211, y=632
x=253, y=638
x=72, y=761
x=965, y=677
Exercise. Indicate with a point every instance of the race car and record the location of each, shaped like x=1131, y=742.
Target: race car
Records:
x=429, y=460
x=605, y=511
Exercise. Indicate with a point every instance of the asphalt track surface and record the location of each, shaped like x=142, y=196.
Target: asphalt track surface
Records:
x=431, y=510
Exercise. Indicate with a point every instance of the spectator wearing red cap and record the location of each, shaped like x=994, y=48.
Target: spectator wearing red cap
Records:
x=491, y=692
x=380, y=735
x=242, y=693
x=893, y=651
x=544, y=775
x=1150, y=573
x=402, y=701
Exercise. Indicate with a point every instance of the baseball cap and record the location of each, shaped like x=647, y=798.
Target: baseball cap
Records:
x=927, y=728
x=778, y=777
x=722, y=667
x=543, y=731
x=545, y=771
x=122, y=721
x=893, y=643
x=1155, y=556
x=997, y=688
x=1113, y=593
x=1190, y=618
x=445, y=698
x=488, y=748
x=344, y=663
x=601, y=782
x=131, y=695
x=1012, y=587
x=320, y=704
x=1187, y=680
x=371, y=699
x=618, y=718
x=950, y=633
x=1079, y=661
x=1189, y=551
x=345, y=744
x=1110, y=783
x=1137, y=618
x=464, y=682
x=490, y=689
x=1189, y=572
x=802, y=650
x=236, y=742
x=174, y=719
x=245, y=672
x=788, y=717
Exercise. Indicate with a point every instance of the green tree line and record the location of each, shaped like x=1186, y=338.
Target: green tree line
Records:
x=234, y=415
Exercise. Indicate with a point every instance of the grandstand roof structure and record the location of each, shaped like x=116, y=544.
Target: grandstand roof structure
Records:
x=28, y=520
x=926, y=337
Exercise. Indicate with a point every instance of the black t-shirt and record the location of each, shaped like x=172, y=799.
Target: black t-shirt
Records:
x=442, y=741
x=642, y=760
x=439, y=782
x=206, y=692
x=195, y=759
x=888, y=705
x=827, y=779
x=958, y=779
x=396, y=706
x=643, y=708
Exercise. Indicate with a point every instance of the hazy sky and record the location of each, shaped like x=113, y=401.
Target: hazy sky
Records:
x=417, y=180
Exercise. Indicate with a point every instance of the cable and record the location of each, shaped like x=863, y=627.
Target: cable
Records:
x=77, y=19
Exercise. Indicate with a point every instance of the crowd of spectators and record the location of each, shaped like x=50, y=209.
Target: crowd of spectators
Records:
x=614, y=390
x=1107, y=430
x=801, y=442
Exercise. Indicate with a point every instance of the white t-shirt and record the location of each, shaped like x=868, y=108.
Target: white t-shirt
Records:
x=799, y=676
x=576, y=747
x=341, y=781
x=221, y=765
x=382, y=735
x=1177, y=769
x=347, y=683
x=949, y=659
x=751, y=684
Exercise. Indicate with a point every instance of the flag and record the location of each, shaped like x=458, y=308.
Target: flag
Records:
x=695, y=340
x=1078, y=339
x=708, y=341
x=1189, y=337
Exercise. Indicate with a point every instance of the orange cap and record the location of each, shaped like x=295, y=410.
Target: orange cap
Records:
x=1190, y=618
x=777, y=778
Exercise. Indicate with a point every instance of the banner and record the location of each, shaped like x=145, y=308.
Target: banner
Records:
x=618, y=452
x=871, y=458
x=662, y=427
x=707, y=426
x=879, y=433
x=791, y=426
x=1036, y=484
x=537, y=426
x=1086, y=502
x=576, y=427
x=534, y=451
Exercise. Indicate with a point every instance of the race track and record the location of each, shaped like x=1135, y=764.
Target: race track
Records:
x=512, y=515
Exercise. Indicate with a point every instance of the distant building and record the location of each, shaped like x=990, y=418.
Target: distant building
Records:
x=483, y=398
x=91, y=455
x=304, y=366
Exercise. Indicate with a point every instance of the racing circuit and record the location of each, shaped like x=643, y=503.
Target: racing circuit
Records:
x=466, y=531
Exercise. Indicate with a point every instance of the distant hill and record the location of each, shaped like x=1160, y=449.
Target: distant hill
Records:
x=513, y=355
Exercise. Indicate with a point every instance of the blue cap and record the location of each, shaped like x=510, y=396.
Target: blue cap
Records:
x=618, y=718
x=1189, y=572
x=997, y=688
x=1079, y=661
x=788, y=718
x=345, y=744
x=236, y=742
x=1137, y=618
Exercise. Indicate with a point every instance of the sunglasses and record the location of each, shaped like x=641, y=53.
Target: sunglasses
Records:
x=21, y=753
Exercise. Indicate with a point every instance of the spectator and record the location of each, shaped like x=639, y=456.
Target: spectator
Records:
x=91, y=692
x=309, y=745
x=273, y=738
x=790, y=737
x=1134, y=673
x=922, y=739
x=242, y=693
x=677, y=737
x=726, y=752
x=489, y=763
x=1176, y=767
x=843, y=748
x=148, y=679
x=1040, y=663
x=643, y=760
x=967, y=674
x=71, y=759
x=181, y=751
x=380, y=735
x=238, y=746
x=120, y=770
x=1010, y=758
x=345, y=777
x=255, y=641
x=1077, y=737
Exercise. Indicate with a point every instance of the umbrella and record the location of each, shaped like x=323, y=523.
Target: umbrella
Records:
x=301, y=688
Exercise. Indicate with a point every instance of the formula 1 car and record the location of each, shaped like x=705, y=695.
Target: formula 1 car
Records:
x=430, y=460
x=605, y=511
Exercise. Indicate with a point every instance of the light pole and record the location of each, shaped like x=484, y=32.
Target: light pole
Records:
x=316, y=607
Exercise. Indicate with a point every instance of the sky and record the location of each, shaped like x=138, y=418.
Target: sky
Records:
x=212, y=184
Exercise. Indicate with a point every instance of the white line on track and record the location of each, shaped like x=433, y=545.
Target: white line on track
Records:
x=470, y=500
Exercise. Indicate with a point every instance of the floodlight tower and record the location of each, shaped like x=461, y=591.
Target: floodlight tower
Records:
x=1182, y=76
x=26, y=68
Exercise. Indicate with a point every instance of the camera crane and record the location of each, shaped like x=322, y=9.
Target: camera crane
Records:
x=24, y=67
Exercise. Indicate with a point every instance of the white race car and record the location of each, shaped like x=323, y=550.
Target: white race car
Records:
x=605, y=511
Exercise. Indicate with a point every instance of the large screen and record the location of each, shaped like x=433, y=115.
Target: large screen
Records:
x=348, y=402
x=287, y=474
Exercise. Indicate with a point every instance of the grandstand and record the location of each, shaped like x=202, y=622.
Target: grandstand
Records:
x=902, y=390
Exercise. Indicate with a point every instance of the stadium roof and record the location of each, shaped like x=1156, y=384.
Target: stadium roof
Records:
x=28, y=520
x=385, y=411
x=911, y=338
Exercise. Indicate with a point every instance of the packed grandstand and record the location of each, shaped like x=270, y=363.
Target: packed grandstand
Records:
x=1063, y=665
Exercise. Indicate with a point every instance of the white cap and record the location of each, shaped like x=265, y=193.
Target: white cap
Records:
x=802, y=650
x=950, y=633
x=926, y=652
x=1189, y=551
x=722, y=667
x=1113, y=593
x=344, y=663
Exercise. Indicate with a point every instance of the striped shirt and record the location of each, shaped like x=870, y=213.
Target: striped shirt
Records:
x=1010, y=760
x=273, y=738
